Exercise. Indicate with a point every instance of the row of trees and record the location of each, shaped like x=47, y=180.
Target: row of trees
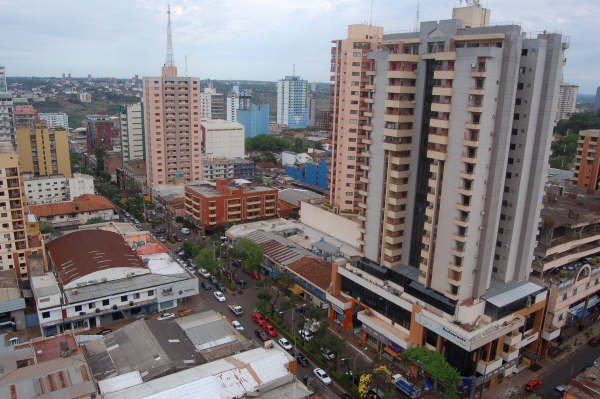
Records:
x=204, y=254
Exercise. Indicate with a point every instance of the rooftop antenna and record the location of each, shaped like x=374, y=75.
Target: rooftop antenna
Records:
x=186, y=70
x=293, y=69
x=169, y=61
x=371, y=13
x=418, y=16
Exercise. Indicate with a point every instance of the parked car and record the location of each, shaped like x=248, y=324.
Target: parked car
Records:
x=305, y=334
x=322, y=375
x=236, y=309
x=220, y=286
x=594, y=341
x=214, y=280
x=261, y=335
x=327, y=354
x=259, y=319
x=206, y=285
x=285, y=344
x=237, y=325
x=533, y=385
x=269, y=329
x=204, y=273
x=219, y=296
x=560, y=389
x=166, y=316
x=254, y=276
x=302, y=360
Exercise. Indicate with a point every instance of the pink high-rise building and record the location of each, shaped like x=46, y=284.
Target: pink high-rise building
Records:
x=172, y=124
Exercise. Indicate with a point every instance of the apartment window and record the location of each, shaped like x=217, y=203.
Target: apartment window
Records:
x=150, y=292
x=520, y=86
x=515, y=132
x=123, y=298
x=45, y=315
x=91, y=305
x=561, y=317
x=524, y=51
x=575, y=292
x=78, y=308
x=105, y=302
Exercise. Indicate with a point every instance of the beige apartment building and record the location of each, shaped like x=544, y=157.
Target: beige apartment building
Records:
x=448, y=159
x=567, y=101
x=349, y=98
x=44, y=151
x=171, y=106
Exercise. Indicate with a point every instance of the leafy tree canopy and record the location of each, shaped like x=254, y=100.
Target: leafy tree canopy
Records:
x=249, y=252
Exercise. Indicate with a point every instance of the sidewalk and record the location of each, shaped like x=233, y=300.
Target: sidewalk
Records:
x=515, y=383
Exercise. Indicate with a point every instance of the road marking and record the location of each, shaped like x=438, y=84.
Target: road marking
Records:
x=352, y=346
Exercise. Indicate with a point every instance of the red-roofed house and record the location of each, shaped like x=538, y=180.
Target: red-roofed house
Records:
x=76, y=212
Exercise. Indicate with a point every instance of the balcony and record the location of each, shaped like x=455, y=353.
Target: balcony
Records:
x=397, y=133
x=443, y=75
x=442, y=91
x=529, y=337
x=439, y=123
x=513, y=339
x=468, y=176
x=402, y=74
x=439, y=107
x=463, y=207
x=401, y=89
x=403, y=57
x=399, y=103
x=485, y=368
x=398, y=147
x=511, y=355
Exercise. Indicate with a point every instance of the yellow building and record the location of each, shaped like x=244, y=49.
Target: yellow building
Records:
x=43, y=151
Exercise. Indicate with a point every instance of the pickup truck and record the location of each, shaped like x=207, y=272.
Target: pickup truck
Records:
x=405, y=387
x=236, y=309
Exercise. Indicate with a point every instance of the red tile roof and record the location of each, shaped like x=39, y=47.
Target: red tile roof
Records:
x=78, y=254
x=152, y=248
x=84, y=203
x=314, y=270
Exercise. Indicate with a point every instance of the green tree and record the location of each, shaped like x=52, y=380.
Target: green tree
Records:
x=434, y=364
x=249, y=252
x=46, y=227
x=206, y=258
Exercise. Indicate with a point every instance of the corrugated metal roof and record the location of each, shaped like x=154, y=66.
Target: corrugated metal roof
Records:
x=513, y=294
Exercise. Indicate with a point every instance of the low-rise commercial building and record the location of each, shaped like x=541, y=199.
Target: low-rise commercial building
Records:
x=97, y=278
x=262, y=372
x=210, y=205
x=47, y=368
x=12, y=303
x=132, y=173
x=217, y=168
x=76, y=212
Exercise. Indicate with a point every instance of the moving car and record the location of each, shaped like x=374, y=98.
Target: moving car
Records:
x=322, y=375
x=237, y=325
x=166, y=316
x=302, y=360
x=204, y=273
x=533, y=385
x=261, y=335
x=327, y=354
x=206, y=285
x=236, y=310
x=219, y=296
x=269, y=329
x=285, y=344
x=259, y=319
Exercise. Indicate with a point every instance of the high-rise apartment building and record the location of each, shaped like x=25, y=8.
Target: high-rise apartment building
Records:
x=22, y=247
x=172, y=124
x=212, y=104
x=587, y=160
x=312, y=105
x=131, y=121
x=237, y=100
x=102, y=132
x=55, y=119
x=567, y=101
x=7, y=118
x=441, y=143
x=349, y=93
x=292, y=102
x=43, y=151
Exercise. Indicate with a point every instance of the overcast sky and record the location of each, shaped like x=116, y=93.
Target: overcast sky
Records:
x=248, y=39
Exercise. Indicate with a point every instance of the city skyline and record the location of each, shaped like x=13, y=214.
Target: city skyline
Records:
x=129, y=38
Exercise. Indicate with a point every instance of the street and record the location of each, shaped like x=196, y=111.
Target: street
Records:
x=247, y=299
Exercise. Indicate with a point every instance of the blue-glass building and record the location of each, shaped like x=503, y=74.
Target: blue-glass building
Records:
x=255, y=119
x=293, y=102
x=312, y=173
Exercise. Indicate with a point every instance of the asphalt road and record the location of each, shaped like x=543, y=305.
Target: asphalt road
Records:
x=247, y=299
x=562, y=372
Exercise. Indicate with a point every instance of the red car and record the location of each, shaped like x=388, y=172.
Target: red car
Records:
x=261, y=334
x=259, y=318
x=594, y=341
x=270, y=330
x=533, y=385
x=255, y=276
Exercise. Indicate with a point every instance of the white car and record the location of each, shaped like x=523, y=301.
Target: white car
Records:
x=322, y=375
x=204, y=273
x=219, y=296
x=237, y=325
x=285, y=344
x=166, y=316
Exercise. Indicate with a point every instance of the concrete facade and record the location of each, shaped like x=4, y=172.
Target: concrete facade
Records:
x=567, y=101
x=292, y=102
x=55, y=120
x=43, y=151
x=222, y=139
